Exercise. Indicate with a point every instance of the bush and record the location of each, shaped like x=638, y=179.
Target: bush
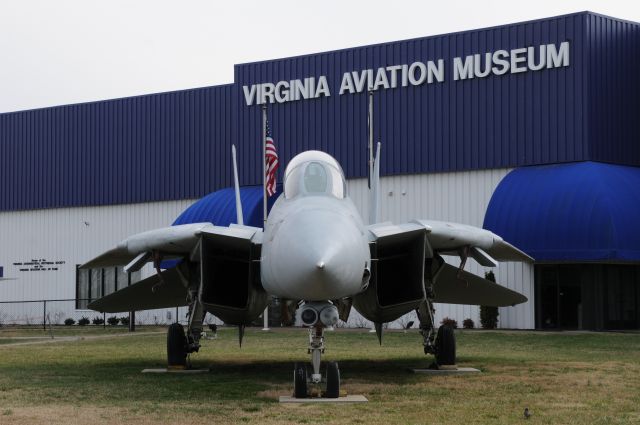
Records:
x=468, y=324
x=69, y=322
x=83, y=321
x=452, y=323
x=113, y=320
x=489, y=315
x=97, y=321
x=124, y=320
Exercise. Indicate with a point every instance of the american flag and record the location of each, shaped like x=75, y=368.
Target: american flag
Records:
x=271, y=163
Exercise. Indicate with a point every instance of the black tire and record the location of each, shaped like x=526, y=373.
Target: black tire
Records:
x=300, y=381
x=333, y=380
x=445, y=346
x=176, y=346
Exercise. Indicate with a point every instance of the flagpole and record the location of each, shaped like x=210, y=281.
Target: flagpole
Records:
x=265, y=315
x=370, y=122
x=370, y=177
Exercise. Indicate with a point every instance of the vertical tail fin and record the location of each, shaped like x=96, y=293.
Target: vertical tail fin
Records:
x=236, y=186
x=374, y=192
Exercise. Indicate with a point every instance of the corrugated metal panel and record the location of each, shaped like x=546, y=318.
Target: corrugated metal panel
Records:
x=614, y=90
x=499, y=121
x=147, y=148
x=72, y=235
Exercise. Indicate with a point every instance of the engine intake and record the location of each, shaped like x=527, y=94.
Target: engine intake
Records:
x=396, y=285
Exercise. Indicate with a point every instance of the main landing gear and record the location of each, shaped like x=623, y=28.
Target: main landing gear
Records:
x=441, y=342
x=317, y=316
x=181, y=344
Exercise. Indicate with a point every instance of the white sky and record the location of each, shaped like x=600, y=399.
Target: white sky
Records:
x=70, y=51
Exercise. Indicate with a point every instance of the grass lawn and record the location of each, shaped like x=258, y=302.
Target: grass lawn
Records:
x=589, y=378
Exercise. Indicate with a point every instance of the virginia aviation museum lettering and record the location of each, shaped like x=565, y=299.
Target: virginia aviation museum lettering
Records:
x=500, y=62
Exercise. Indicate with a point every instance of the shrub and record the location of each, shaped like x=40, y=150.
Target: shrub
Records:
x=113, y=320
x=83, y=321
x=124, y=320
x=69, y=321
x=452, y=323
x=97, y=321
x=489, y=315
x=468, y=324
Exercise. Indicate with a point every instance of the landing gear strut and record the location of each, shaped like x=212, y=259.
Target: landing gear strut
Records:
x=317, y=316
x=440, y=342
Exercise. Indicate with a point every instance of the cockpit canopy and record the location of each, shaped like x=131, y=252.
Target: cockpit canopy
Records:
x=314, y=173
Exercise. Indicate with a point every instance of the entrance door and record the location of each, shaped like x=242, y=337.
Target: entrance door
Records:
x=559, y=297
x=621, y=306
x=548, y=298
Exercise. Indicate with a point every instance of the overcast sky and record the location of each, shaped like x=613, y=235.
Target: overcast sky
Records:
x=70, y=51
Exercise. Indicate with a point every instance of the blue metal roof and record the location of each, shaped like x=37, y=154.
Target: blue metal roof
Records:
x=585, y=211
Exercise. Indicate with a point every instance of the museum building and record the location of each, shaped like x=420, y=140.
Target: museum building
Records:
x=531, y=130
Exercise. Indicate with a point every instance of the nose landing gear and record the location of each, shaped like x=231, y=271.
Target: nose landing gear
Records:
x=305, y=384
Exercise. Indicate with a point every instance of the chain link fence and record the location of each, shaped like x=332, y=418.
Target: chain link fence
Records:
x=63, y=312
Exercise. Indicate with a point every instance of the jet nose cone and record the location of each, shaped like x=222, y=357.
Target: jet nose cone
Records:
x=317, y=255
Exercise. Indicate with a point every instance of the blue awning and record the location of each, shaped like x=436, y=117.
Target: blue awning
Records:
x=584, y=211
x=219, y=207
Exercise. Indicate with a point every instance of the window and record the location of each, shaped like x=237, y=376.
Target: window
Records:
x=315, y=178
x=92, y=284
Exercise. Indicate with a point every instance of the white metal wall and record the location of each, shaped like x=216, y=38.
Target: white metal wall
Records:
x=74, y=235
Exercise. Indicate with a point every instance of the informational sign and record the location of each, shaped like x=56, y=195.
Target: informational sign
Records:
x=479, y=65
x=38, y=265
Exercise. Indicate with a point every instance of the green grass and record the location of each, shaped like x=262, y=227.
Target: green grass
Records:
x=562, y=378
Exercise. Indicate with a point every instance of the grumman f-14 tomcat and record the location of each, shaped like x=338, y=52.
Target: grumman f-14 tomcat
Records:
x=317, y=251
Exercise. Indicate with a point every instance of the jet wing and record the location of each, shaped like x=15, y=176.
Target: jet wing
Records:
x=485, y=246
x=148, y=294
x=461, y=287
x=169, y=289
x=172, y=242
x=446, y=238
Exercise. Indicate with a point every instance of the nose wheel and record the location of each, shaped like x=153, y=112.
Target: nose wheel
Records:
x=311, y=385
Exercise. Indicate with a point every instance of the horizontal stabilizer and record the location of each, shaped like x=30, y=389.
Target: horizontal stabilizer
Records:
x=141, y=295
x=471, y=289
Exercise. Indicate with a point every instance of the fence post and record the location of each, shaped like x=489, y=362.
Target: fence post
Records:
x=44, y=315
x=104, y=320
x=132, y=321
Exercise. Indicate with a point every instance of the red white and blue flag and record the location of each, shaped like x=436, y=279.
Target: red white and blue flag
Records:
x=271, y=163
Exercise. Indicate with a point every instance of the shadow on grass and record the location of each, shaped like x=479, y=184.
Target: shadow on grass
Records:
x=119, y=382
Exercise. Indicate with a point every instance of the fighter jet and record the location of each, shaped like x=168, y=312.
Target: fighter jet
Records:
x=317, y=251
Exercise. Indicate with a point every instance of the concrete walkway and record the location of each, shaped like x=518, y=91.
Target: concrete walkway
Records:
x=48, y=340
